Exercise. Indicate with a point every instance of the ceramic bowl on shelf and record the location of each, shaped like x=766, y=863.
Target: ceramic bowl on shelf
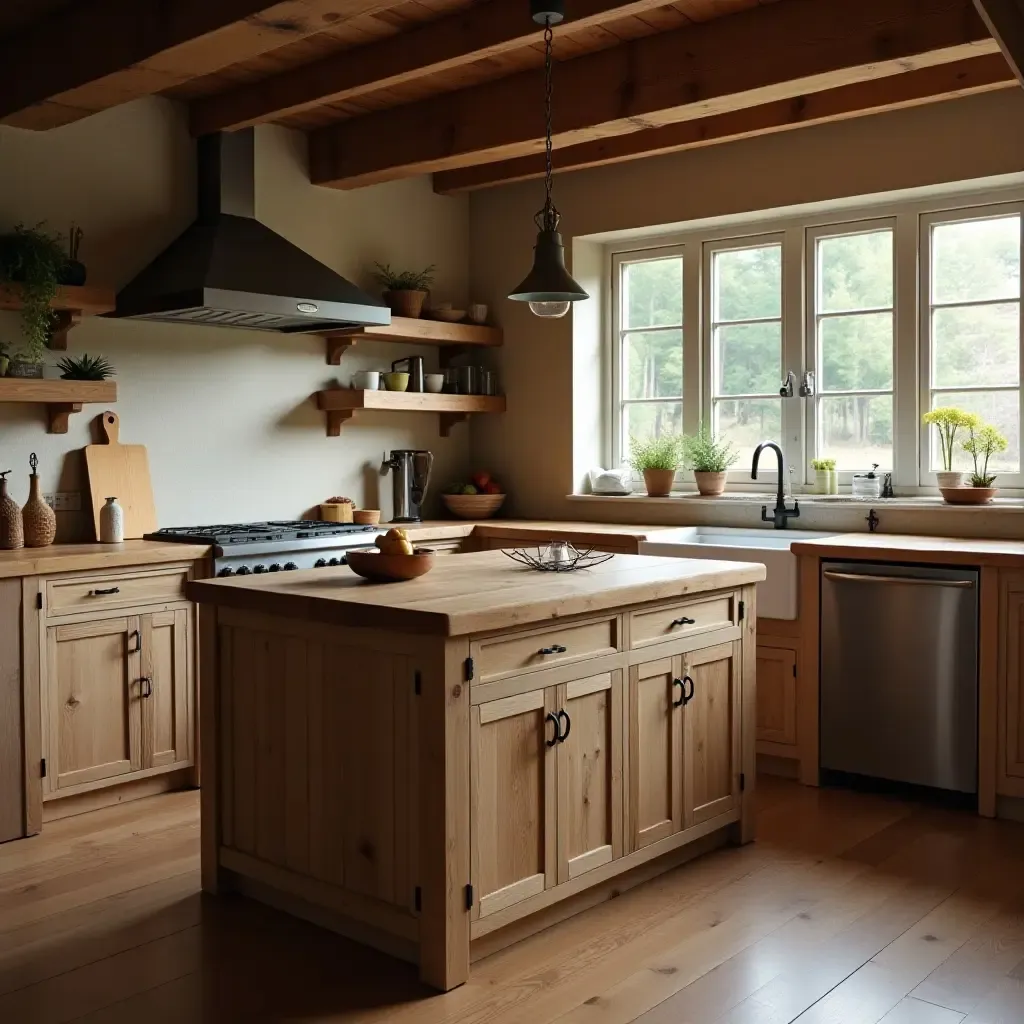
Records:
x=381, y=568
x=396, y=381
x=449, y=316
x=473, y=506
x=968, y=495
x=366, y=516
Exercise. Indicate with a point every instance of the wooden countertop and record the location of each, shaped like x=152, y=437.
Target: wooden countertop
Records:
x=80, y=557
x=581, y=533
x=913, y=548
x=473, y=593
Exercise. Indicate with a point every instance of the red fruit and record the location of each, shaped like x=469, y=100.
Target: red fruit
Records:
x=492, y=487
x=481, y=479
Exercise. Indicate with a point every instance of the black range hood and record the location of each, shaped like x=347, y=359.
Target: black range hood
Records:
x=229, y=270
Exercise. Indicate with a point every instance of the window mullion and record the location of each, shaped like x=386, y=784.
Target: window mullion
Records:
x=793, y=439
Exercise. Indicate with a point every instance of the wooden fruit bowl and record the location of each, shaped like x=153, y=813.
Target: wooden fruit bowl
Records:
x=381, y=568
x=473, y=506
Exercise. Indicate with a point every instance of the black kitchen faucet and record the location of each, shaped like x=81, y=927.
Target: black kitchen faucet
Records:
x=781, y=515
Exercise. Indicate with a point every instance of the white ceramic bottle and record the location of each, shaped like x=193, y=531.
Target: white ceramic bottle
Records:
x=111, y=522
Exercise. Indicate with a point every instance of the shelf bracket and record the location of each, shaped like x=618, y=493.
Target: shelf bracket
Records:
x=449, y=419
x=64, y=320
x=336, y=419
x=337, y=346
x=58, y=413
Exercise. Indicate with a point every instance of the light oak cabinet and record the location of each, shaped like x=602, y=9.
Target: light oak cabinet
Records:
x=1010, y=778
x=776, y=697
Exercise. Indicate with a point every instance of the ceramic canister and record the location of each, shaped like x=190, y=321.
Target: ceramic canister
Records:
x=111, y=522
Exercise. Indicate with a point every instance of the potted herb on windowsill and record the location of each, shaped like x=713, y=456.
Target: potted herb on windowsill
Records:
x=948, y=421
x=709, y=458
x=405, y=291
x=657, y=458
x=982, y=443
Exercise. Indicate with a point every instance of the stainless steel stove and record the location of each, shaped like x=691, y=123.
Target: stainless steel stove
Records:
x=244, y=548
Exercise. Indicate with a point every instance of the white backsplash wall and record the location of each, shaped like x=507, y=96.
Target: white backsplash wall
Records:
x=227, y=415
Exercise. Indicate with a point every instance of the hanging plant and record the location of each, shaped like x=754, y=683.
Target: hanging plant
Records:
x=34, y=261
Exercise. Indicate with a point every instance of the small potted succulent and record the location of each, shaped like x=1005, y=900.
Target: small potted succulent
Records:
x=948, y=421
x=657, y=458
x=405, y=291
x=709, y=458
x=85, y=367
x=982, y=442
x=826, y=479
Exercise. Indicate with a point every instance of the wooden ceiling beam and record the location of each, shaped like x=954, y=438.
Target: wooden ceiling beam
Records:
x=1005, y=20
x=915, y=88
x=96, y=54
x=778, y=51
x=474, y=33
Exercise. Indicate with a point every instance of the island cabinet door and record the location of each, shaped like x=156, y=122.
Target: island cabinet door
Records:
x=711, y=734
x=93, y=714
x=589, y=773
x=655, y=763
x=513, y=801
x=776, y=695
x=165, y=687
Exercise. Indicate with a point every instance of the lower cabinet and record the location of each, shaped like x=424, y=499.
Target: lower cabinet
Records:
x=1010, y=780
x=776, y=695
x=116, y=698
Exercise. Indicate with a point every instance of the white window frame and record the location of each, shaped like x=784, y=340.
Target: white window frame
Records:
x=927, y=223
x=813, y=315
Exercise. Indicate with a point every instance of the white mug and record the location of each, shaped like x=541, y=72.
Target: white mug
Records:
x=366, y=380
x=478, y=313
x=434, y=382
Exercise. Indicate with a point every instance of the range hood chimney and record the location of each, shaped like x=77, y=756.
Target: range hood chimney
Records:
x=229, y=270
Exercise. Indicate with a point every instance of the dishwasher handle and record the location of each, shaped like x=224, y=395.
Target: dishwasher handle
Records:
x=914, y=581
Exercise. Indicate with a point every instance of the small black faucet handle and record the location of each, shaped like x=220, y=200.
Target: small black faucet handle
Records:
x=765, y=518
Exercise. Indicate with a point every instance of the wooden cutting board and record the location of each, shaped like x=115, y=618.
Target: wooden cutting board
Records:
x=120, y=471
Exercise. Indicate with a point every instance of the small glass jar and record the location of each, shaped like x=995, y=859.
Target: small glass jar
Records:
x=867, y=485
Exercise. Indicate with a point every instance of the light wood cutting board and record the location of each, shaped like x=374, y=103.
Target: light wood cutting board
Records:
x=120, y=471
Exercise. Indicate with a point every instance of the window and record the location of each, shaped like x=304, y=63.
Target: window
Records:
x=851, y=335
x=973, y=330
x=745, y=328
x=650, y=363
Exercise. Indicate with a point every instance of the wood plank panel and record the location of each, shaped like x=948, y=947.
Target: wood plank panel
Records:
x=12, y=775
x=776, y=695
x=295, y=682
x=244, y=701
x=269, y=658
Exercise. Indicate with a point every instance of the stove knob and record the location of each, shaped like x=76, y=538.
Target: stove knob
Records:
x=244, y=570
x=259, y=568
x=276, y=567
x=226, y=572
x=319, y=563
x=334, y=561
x=289, y=566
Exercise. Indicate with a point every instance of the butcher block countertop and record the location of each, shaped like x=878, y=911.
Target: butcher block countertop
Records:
x=912, y=548
x=82, y=557
x=473, y=593
x=528, y=530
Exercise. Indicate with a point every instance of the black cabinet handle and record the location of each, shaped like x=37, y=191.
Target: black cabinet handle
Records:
x=104, y=593
x=137, y=637
x=687, y=697
x=552, y=717
x=682, y=686
x=684, y=621
x=146, y=686
x=568, y=725
x=553, y=649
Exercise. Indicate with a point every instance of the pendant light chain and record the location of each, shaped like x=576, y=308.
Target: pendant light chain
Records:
x=548, y=38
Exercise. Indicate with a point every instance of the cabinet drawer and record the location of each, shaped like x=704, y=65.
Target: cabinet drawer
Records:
x=500, y=656
x=67, y=595
x=681, y=618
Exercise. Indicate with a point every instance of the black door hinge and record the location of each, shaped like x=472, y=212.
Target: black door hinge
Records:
x=469, y=669
x=743, y=610
x=417, y=898
x=469, y=897
x=42, y=768
x=743, y=782
x=39, y=600
x=417, y=683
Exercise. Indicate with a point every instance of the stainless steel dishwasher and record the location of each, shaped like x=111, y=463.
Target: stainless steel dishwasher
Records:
x=899, y=673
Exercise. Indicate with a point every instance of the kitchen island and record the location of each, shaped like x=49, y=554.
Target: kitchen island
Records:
x=439, y=767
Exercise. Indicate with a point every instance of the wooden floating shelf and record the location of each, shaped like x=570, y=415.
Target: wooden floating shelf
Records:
x=341, y=404
x=61, y=397
x=457, y=337
x=70, y=303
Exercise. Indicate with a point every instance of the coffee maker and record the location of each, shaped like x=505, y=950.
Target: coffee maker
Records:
x=410, y=475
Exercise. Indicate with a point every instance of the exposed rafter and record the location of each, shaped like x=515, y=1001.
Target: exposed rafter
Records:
x=474, y=33
x=93, y=55
x=768, y=53
x=1005, y=20
x=927, y=85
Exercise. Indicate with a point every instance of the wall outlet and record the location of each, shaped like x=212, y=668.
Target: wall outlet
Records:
x=65, y=501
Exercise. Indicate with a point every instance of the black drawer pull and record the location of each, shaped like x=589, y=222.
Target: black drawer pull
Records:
x=568, y=725
x=687, y=697
x=684, y=621
x=146, y=686
x=553, y=649
x=104, y=593
x=682, y=686
x=137, y=637
x=552, y=717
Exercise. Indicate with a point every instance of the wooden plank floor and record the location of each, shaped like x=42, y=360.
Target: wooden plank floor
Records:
x=850, y=909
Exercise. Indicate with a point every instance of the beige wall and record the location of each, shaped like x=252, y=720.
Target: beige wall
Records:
x=226, y=414
x=535, y=447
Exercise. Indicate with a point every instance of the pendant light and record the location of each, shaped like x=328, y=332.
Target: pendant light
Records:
x=548, y=288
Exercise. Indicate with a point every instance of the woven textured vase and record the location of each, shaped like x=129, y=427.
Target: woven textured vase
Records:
x=11, y=534
x=37, y=518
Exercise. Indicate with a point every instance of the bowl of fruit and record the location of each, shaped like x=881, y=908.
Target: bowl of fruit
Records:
x=478, y=499
x=395, y=560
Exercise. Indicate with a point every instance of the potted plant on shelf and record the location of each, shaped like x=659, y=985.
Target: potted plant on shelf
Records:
x=405, y=291
x=948, y=421
x=657, y=458
x=85, y=367
x=709, y=458
x=983, y=441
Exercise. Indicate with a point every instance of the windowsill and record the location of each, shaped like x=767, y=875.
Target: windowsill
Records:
x=925, y=503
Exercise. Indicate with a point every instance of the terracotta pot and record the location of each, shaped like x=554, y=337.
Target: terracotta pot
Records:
x=709, y=483
x=968, y=495
x=947, y=480
x=659, y=482
x=406, y=303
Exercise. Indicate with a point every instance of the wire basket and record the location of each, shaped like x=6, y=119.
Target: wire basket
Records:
x=558, y=556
